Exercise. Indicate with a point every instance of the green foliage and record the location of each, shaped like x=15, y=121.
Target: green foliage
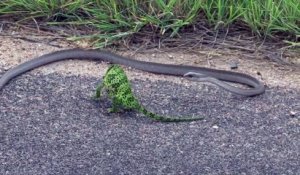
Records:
x=221, y=12
x=116, y=19
x=41, y=8
x=270, y=16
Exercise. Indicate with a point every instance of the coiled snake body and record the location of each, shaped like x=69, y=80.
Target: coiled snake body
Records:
x=256, y=87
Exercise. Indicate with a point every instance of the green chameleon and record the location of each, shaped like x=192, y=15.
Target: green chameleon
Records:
x=119, y=91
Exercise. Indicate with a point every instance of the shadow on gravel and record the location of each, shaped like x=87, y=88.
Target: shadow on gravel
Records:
x=50, y=125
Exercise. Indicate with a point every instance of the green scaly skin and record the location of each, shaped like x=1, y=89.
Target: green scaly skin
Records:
x=119, y=91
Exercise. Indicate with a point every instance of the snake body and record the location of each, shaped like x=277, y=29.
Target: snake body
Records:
x=256, y=87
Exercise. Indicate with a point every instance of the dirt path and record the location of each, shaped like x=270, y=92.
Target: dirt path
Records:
x=49, y=124
x=15, y=51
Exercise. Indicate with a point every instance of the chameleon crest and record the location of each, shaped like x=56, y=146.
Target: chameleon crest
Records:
x=119, y=91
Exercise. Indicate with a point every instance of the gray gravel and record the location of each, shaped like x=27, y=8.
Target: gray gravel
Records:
x=50, y=125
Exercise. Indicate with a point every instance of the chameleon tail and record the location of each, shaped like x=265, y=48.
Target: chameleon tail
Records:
x=166, y=118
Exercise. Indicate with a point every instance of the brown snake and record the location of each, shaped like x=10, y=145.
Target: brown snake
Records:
x=203, y=74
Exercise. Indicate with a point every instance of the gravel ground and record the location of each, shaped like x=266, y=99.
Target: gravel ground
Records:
x=50, y=125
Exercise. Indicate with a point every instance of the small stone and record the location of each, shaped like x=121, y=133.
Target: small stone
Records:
x=233, y=65
x=171, y=56
x=258, y=73
x=293, y=113
x=215, y=127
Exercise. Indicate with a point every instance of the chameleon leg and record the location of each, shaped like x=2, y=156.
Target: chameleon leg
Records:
x=98, y=91
x=115, y=106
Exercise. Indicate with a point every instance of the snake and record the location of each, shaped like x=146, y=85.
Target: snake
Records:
x=218, y=77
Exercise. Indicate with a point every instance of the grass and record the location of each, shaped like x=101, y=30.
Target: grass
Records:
x=116, y=19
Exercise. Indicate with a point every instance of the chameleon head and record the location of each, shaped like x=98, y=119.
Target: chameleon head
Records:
x=115, y=76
